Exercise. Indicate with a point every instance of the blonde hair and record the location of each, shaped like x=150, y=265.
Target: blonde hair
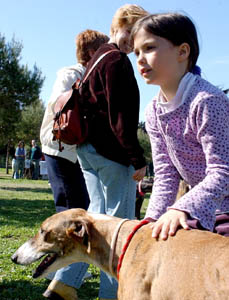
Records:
x=88, y=40
x=127, y=15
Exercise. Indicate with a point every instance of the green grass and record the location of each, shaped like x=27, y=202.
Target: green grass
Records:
x=24, y=204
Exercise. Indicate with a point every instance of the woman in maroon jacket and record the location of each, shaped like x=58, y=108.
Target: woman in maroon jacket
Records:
x=112, y=159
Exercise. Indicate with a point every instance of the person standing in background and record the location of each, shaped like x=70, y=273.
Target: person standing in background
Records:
x=64, y=172
x=35, y=158
x=14, y=166
x=20, y=154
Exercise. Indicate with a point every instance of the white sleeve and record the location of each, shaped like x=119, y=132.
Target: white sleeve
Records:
x=64, y=81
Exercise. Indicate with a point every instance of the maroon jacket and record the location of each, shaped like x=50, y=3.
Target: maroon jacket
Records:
x=111, y=95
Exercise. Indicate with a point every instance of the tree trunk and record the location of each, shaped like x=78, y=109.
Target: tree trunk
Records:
x=7, y=157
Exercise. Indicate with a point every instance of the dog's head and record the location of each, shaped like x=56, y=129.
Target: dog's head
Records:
x=58, y=236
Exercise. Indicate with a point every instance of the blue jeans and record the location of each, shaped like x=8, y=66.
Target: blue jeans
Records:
x=67, y=183
x=36, y=168
x=110, y=185
x=69, y=190
x=111, y=191
x=19, y=169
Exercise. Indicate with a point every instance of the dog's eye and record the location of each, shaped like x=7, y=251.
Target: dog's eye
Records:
x=78, y=228
x=48, y=237
x=41, y=231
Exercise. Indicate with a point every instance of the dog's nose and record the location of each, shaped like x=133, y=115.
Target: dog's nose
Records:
x=14, y=258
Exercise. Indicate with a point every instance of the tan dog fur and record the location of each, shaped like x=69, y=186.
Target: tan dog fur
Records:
x=193, y=265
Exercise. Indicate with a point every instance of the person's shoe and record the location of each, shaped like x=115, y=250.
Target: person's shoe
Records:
x=57, y=290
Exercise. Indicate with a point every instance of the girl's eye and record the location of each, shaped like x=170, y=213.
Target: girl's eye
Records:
x=150, y=47
x=136, y=53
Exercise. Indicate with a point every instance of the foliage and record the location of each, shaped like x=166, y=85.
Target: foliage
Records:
x=141, y=126
x=29, y=126
x=19, y=87
x=145, y=143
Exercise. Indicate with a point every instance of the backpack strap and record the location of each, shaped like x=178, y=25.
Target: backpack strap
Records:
x=93, y=66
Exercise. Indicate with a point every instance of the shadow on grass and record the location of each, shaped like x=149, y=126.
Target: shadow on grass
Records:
x=6, y=178
x=28, y=189
x=33, y=290
x=25, y=212
x=22, y=290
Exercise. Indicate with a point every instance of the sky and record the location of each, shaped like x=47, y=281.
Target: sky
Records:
x=47, y=31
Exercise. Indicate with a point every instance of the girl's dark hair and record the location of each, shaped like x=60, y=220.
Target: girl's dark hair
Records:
x=174, y=27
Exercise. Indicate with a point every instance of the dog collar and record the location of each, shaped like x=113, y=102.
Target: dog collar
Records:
x=113, y=243
x=129, y=238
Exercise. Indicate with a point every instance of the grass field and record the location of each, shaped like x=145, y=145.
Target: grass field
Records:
x=24, y=204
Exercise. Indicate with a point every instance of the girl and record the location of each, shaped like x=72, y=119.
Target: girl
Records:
x=188, y=125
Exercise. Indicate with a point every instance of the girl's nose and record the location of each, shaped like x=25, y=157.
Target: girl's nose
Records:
x=141, y=59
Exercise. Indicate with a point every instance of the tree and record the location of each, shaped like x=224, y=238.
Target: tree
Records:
x=145, y=144
x=19, y=88
x=141, y=125
x=30, y=123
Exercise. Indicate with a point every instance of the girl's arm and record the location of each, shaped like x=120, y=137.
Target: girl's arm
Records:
x=166, y=180
x=166, y=183
x=211, y=124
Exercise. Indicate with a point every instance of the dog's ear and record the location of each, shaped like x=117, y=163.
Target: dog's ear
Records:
x=79, y=230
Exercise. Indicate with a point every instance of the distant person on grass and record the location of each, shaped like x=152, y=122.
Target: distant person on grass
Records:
x=35, y=158
x=20, y=154
x=14, y=166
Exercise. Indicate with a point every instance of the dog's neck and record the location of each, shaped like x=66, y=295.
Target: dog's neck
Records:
x=101, y=237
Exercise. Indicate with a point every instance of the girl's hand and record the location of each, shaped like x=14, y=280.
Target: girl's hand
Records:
x=139, y=174
x=168, y=224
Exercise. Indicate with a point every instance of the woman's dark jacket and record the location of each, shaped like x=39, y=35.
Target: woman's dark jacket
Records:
x=111, y=94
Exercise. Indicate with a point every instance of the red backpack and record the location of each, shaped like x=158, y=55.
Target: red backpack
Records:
x=70, y=121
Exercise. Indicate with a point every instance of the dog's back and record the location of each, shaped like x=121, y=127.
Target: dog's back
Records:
x=192, y=265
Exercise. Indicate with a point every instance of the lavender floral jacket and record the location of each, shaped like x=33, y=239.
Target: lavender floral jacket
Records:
x=192, y=142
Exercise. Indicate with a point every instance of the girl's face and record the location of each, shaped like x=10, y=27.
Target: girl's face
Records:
x=157, y=59
x=122, y=39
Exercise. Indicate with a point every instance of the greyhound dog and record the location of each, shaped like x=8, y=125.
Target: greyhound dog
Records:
x=192, y=265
